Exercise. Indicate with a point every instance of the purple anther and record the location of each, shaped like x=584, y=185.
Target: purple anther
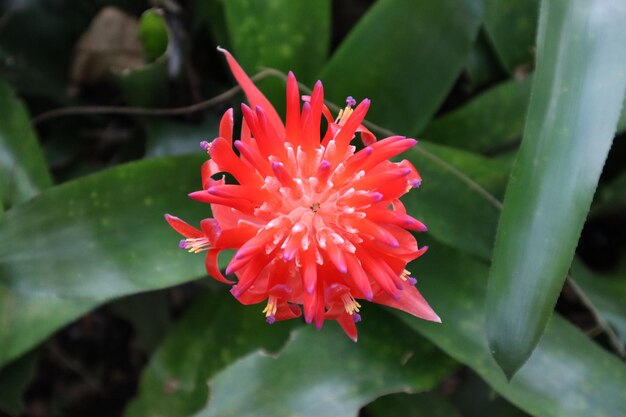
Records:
x=204, y=145
x=325, y=165
x=416, y=183
x=356, y=317
x=270, y=319
x=350, y=101
x=412, y=281
x=182, y=244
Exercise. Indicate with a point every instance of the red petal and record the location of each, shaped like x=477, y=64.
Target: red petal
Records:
x=347, y=324
x=293, y=110
x=254, y=95
x=182, y=227
x=410, y=301
x=311, y=129
x=286, y=311
x=222, y=153
x=226, y=126
x=343, y=138
x=211, y=264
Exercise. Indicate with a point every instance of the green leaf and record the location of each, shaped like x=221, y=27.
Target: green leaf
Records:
x=452, y=200
x=473, y=397
x=215, y=332
x=80, y=244
x=512, y=26
x=605, y=296
x=482, y=65
x=490, y=122
x=168, y=137
x=405, y=55
x=567, y=375
x=576, y=99
x=153, y=34
x=428, y=404
x=23, y=171
x=283, y=34
x=326, y=374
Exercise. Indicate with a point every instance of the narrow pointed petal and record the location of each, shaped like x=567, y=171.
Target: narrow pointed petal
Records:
x=254, y=95
x=183, y=227
x=411, y=302
x=347, y=131
x=222, y=153
x=293, y=110
x=226, y=126
x=349, y=327
x=211, y=264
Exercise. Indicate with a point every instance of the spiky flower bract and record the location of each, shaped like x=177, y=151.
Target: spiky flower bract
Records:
x=316, y=225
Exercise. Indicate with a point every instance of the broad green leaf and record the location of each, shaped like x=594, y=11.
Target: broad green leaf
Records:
x=208, y=21
x=405, y=55
x=168, y=137
x=605, y=296
x=452, y=200
x=427, y=404
x=80, y=244
x=512, y=26
x=567, y=375
x=489, y=122
x=23, y=171
x=576, y=99
x=283, y=34
x=326, y=374
x=215, y=332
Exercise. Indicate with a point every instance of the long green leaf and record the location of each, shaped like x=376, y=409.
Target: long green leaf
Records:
x=77, y=245
x=490, y=122
x=511, y=26
x=325, y=374
x=452, y=200
x=23, y=171
x=283, y=34
x=568, y=374
x=405, y=55
x=215, y=332
x=575, y=104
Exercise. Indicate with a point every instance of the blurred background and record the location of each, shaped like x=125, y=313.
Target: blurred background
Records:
x=88, y=86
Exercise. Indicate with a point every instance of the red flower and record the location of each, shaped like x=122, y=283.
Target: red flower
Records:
x=315, y=223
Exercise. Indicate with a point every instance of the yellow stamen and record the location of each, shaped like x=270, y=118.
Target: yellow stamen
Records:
x=350, y=304
x=270, y=308
x=405, y=274
x=343, y=115
x=195, y=245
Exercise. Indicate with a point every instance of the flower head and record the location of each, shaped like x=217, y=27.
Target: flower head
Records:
x=316, y=224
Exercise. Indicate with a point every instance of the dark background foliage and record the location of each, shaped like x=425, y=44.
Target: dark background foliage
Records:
x=101, y=316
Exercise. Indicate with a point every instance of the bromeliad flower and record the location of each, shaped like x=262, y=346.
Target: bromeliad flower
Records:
x=315, y=223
